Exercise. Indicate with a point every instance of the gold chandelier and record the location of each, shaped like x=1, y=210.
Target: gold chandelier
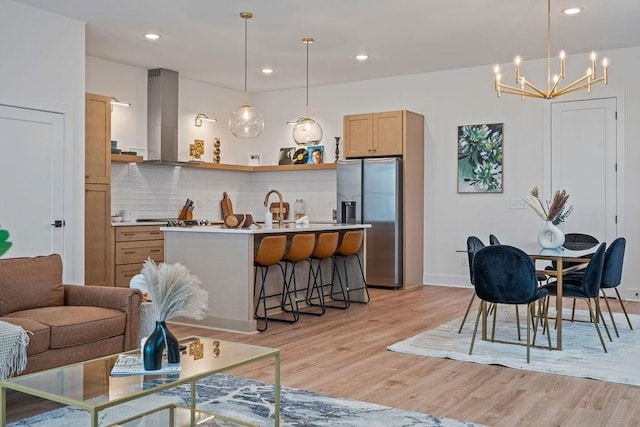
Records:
x=553, y=90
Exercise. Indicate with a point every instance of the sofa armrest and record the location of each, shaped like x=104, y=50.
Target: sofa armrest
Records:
x=126, y=300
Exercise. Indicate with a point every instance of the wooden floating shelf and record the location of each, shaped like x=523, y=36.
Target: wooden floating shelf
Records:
x=124, y=158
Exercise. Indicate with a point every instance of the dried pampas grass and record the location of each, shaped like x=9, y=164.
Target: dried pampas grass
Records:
x=174, y=291
x=556, y=208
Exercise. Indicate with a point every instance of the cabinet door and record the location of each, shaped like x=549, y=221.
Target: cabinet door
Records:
x=98, y=246
x=97, y=139
x=387, y=134
x=357, y=136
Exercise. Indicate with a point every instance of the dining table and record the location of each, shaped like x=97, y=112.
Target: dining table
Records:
x=576, y=258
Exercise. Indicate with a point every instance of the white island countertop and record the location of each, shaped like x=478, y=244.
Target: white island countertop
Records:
x=223, y=260
x=289, y=227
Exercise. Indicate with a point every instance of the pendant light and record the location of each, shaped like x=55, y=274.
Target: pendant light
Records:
x=246, y=121
x=307, y=131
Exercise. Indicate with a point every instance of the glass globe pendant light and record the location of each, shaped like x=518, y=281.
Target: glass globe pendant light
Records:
x=246, y=121
x=307, y=131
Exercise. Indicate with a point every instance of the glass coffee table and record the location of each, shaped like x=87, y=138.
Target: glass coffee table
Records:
x=89, y=386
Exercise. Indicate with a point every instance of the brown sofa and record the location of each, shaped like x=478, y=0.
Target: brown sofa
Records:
x=66, y=323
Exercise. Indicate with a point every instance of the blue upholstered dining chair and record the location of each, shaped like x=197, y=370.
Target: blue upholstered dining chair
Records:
x=473, y=245
x=503, y=274
x=588, y=289
x=542, y=278
x=611, y=276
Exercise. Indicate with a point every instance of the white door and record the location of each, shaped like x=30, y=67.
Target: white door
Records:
x=31, y=181
x=583, y=162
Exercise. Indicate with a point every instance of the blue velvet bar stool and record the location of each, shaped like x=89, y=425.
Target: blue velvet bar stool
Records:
x=326, y=246
x=270, y=252
x=300, y=249
x=349, y=247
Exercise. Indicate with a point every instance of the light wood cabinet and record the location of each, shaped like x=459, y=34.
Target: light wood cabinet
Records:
x=98, y=254
x=98, y=260
x=373, y=134
x=133, y=245
x=97, y=157
x=397, y=134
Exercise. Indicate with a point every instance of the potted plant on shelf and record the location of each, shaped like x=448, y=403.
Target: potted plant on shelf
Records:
x=174, y=291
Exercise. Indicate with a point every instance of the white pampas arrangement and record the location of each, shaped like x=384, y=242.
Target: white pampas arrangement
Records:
x=556, y=212
x=174, y=291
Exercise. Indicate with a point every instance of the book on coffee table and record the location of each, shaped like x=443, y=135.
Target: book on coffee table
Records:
x=129, y=364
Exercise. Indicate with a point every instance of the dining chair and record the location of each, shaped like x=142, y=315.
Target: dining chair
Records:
x=587, y=289
x=576, y=242
x=349, y=246
x=541, y=277
x=473, y=246
x=503, y=274
x=611, y=277
x=269, y=253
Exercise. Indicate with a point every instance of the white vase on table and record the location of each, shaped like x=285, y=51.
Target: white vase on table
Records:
x=550, y=237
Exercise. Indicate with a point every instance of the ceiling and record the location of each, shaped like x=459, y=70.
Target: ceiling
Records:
x=204, y=39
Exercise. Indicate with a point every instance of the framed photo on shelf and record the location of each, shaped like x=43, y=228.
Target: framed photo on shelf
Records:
x=286, y=155
x=315, y=154
x=480, y=158
x=255, y=159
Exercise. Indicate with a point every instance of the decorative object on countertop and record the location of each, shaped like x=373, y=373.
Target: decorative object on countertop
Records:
x=246, y=121
x=196, y=150
x=299, y=209
x=238, y=220
x=186, y=212
x=5, y=244
x=216, y=150
x=174, y=292
x=550, y=237
x=226, y=205
x=307, y=130
x=275, y=210
x=337, y=148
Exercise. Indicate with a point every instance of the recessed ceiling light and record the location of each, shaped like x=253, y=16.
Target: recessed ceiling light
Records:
x=267, y=70
x=151, y=36
x=362, y=57
x=572, y=11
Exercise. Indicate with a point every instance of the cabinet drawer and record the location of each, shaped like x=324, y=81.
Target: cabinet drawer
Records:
x=124, y=274
x=133, y=233
x=136, y=252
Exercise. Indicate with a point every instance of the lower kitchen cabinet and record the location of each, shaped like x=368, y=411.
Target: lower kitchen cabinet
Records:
x=133, y=245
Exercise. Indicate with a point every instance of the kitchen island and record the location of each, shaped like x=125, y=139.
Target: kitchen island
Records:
x=222, y=258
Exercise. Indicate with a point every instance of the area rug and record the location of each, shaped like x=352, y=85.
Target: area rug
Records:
x=252, y=401
x=581, y=356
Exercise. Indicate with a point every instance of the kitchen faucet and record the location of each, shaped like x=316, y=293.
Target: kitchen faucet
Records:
x=280, y=215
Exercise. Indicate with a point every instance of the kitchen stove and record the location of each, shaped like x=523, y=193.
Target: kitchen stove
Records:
x=175, y=222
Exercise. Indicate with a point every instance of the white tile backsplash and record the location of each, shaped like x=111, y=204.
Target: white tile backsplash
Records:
x=159, y=191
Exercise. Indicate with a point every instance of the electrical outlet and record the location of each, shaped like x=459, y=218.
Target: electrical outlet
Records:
x=464, y=261
x=518, y=204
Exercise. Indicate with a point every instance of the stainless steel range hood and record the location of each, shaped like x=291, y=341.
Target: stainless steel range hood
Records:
x=162, y=116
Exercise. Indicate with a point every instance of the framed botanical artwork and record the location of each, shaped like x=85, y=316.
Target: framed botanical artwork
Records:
x=480, y=158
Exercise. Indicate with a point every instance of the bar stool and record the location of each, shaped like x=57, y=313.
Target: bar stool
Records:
x=326, y=246
x=270, y=252
x=349, y=246
x=300, y=249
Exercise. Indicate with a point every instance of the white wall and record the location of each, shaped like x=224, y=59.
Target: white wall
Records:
x=447, y=99
x=44, y=70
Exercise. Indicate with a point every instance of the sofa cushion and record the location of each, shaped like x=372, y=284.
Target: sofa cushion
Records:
x=30, y=283
x=73, y=325
x=39, y=335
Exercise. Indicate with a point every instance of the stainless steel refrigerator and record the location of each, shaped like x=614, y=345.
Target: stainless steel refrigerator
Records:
x=370, y=191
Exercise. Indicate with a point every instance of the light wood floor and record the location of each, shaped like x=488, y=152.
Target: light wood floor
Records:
x=344, y=354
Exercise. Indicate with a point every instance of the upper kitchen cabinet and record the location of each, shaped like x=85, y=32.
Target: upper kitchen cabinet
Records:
x=97, y=139
x=379, y=134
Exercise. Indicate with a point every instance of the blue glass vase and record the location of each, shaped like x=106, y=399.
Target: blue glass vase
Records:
x=155, y=344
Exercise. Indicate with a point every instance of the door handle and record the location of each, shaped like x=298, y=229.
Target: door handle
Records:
x=59, y=223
